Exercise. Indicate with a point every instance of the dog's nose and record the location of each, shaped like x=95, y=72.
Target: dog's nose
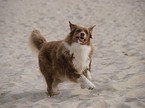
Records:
x=82, y=34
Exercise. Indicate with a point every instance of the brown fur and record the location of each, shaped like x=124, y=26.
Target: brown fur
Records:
x=55, y=61
x=37, y=39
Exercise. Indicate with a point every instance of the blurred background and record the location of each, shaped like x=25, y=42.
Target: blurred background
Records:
x=118, y=67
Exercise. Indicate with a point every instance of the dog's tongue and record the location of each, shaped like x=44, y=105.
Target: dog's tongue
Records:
x=82, y=40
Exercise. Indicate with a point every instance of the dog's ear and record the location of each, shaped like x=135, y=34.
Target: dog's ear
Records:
x=72, y=26
x=91, y=30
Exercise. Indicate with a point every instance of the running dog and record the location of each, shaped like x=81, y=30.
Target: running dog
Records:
x=65, y=60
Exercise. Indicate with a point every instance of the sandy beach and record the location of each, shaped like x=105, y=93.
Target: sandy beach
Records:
x=118, y=68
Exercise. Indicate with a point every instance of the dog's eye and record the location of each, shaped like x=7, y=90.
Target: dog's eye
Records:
x=78, y=31
x=86, y=31
x=90, y=36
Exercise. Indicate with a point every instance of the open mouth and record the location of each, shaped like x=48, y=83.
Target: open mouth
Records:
x=81, y=39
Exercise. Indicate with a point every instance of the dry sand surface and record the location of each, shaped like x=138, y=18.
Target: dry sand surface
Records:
x=118, y=67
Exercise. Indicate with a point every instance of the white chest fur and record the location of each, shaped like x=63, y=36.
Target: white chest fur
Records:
x=81, y=55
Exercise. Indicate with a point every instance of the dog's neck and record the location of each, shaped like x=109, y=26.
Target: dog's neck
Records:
x=78, y=49
x=80, y=54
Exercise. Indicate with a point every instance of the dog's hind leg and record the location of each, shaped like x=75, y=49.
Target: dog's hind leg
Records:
x=46, y=70
x=52, y=85
x=50, y=81
x=55, y=86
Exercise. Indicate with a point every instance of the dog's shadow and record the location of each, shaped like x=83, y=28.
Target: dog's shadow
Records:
x=34, y=96
x=26, y=96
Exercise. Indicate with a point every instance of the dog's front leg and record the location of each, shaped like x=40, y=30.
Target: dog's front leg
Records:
x=87, y=74
x=86, y=83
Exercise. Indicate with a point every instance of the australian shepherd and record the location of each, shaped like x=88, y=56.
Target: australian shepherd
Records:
x=65, y=60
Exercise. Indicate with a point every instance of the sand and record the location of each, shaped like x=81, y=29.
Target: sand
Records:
x=118, y=68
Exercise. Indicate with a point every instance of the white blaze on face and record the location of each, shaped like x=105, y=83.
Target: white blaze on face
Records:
x=82, y=37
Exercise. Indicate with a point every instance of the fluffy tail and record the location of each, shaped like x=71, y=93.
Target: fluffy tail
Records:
x=36, y=41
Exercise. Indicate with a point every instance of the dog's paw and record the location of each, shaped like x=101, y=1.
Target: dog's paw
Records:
x=90, y=86
x=86, y=83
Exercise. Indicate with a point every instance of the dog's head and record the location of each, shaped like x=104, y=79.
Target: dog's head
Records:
x=78, y=34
